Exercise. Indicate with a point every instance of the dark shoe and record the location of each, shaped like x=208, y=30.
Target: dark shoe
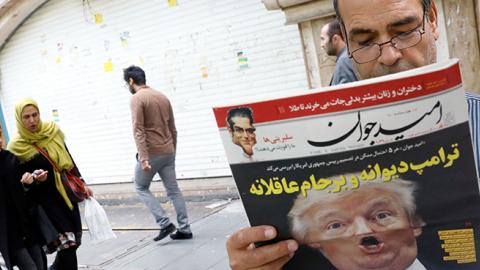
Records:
x=164, y=232
x=178, y=235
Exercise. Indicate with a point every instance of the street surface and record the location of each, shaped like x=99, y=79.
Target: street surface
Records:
x=212, y=222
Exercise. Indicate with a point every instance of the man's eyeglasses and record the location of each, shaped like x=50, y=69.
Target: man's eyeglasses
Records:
x=249, y=131
x=401, y=41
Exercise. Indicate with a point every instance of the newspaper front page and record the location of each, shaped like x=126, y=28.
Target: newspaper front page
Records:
x=378, y=174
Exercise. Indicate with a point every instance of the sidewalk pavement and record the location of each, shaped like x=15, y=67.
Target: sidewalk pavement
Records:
x=214, y=211
x=135, y=250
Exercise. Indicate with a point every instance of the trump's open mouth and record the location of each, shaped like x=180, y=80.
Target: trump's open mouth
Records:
x=371, y=245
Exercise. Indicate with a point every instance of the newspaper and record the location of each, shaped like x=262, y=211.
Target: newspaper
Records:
x=377, y=174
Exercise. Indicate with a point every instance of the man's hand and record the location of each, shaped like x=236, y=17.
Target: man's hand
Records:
x=40, y=175
x=146, y=166
x=243, y=254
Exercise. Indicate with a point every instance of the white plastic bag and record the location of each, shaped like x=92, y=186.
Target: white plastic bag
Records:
x=97, y=221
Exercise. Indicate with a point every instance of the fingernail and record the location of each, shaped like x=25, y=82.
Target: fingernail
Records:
x=292, y=246
x=269, y=233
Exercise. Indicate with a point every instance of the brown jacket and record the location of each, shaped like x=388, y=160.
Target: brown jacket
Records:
x=153, y=123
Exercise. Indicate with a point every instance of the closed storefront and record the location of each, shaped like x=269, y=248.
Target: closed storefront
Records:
x=69, y=56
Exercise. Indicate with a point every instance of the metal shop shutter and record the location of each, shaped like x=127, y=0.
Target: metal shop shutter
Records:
x=69, y=57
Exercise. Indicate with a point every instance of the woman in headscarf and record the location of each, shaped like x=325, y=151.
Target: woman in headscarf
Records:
x=50, y=194
x=19, y=240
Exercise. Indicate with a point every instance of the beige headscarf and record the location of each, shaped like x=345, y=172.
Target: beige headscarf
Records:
x=49, y=137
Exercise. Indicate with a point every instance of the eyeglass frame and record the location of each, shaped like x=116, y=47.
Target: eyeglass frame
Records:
x=380, y=45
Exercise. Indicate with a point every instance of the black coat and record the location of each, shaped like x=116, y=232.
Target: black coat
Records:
x=47, y=195
x=15, y=230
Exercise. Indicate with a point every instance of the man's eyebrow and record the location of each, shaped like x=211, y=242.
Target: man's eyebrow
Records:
x=324, y=214
x=380, y=203
x=359, y=31
x=401, y=22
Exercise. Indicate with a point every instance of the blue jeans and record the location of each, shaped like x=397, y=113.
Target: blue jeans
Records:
x=164, y=165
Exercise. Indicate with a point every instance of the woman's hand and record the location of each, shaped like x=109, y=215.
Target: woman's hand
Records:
x=27, y=178
x=36, y=176
x=88, y=192
x=40, y=175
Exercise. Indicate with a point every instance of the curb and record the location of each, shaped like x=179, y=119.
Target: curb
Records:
x=193, y=190
x=190, y=196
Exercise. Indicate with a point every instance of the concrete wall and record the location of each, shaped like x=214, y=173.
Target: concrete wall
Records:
x=463, y=42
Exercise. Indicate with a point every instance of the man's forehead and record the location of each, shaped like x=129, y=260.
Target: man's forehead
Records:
x=324, y=28
x=240, y=120
x=370, y=193
x=372, y=14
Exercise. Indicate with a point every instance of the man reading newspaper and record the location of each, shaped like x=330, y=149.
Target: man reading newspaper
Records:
x=383, y=37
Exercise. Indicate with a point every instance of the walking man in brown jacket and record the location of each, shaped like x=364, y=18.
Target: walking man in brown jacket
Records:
x=156, y=139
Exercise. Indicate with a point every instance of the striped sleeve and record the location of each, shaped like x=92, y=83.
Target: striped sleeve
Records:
x=473, y=101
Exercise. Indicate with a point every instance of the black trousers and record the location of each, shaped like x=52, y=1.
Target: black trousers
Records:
x=30, y=258
x=66, y=259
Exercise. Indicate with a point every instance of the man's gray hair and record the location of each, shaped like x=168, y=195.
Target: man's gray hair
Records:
x=300, y=225
x=426, y=4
